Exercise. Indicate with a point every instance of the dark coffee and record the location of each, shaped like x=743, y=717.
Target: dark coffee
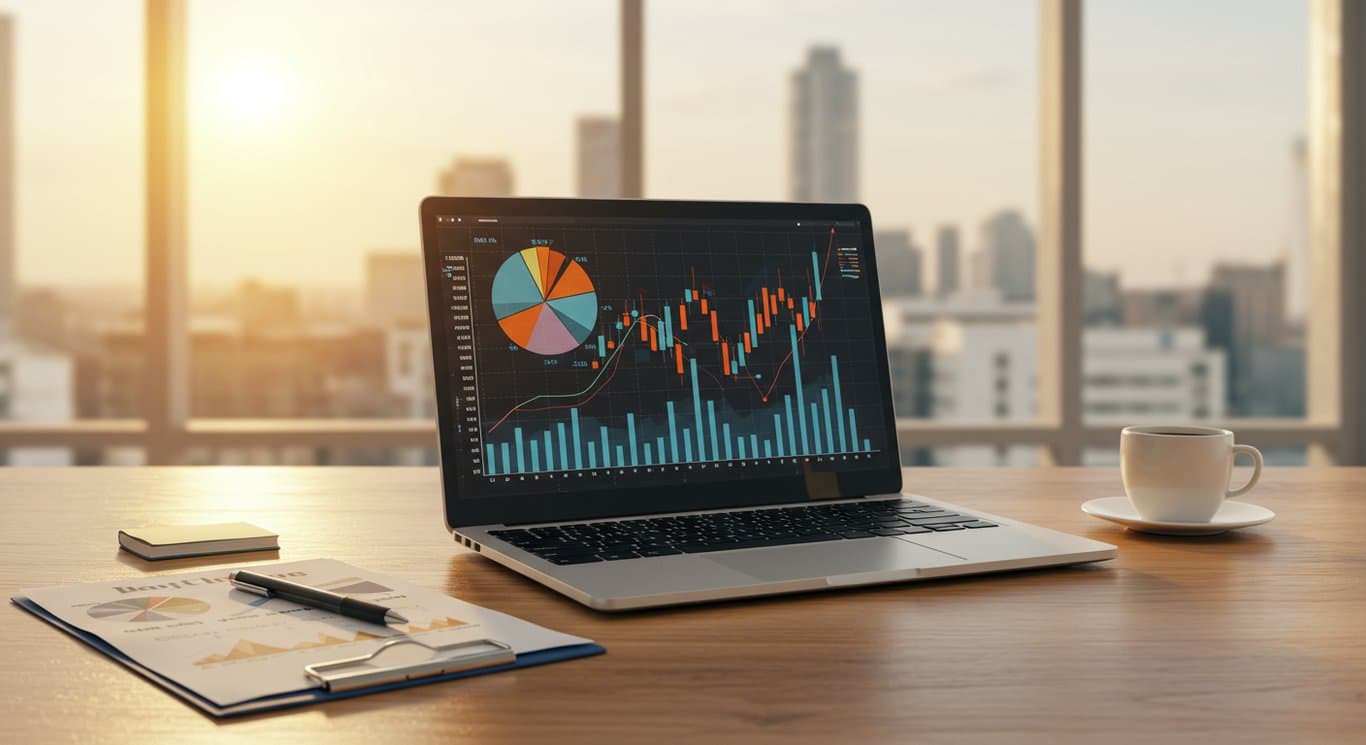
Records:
x=1183, y=434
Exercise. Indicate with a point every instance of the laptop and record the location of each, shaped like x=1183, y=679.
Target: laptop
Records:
x=646, y=403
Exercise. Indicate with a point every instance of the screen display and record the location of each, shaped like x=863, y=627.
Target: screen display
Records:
x=591, y=354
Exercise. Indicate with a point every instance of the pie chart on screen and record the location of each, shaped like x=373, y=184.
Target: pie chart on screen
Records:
x=544, y=301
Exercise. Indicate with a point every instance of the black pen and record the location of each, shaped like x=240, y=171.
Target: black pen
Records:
x=271, y=587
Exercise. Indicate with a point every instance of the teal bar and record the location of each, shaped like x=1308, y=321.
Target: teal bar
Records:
x=564, y=453
x=649, y=461
x=521, y=462
x=697, y=410
x=631, y=436
x=741, y=442
x=778, y=433
x=725, y=437
x=578, y=443
x=687, y=446
x=791, y=433
x=606, y=451
x=739, y=360
x=621, y=457
x=489, y=468
x=815, y=428
x=549, y=458
x=668, y=326
x=711, y=421
x=753, y=330
x=839, y=402
x=507, y=462
x=659, y=448
x=853, y=429
x=535, y=455
x=768, y=448
x=816, y=276
x=867, y=445
x=734, y=367
x=829, y=433
x=592, y=455
x=673, y=438
x=797, y=375
x=754, y=445
x=602, y=346
x=806, y=311
x=687, y=295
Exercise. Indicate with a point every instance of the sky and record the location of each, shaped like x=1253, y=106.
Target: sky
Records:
x=316, y=127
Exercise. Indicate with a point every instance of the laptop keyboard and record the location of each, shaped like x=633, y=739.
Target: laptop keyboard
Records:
x=614, y=540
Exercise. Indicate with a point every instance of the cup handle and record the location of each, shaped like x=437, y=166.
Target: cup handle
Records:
x=1256, y=472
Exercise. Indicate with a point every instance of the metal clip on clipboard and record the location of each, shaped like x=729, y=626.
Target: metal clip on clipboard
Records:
x=362, y=672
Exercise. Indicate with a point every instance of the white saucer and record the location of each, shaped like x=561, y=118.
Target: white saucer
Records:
x=1231, y=516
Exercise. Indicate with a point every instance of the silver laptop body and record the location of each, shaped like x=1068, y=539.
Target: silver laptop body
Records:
x=615, y=519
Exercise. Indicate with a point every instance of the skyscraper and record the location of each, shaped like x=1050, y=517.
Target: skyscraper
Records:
x=1008, y=255
x=476, y=177
x=1256, y=299
x=898, y=264
x=824, y=129
x=597, y=167
x=1258, y=294
x=949, y=258
x=393, y=289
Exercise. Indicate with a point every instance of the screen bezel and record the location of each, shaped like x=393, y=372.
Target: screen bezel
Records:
x=812, y=484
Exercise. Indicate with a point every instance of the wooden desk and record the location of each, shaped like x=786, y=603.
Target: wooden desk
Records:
x=1258, y=635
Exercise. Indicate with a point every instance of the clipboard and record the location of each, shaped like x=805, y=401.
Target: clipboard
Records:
x=375, y=672
x=351, y=673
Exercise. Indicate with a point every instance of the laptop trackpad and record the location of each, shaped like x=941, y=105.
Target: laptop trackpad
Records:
x=809, y=560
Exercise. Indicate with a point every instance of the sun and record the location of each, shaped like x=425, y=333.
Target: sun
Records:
x=253, y=92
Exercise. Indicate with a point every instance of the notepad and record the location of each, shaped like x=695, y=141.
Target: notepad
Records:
x=157, y=542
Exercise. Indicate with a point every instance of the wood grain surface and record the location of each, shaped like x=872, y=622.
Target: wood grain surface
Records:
x=1258, y=636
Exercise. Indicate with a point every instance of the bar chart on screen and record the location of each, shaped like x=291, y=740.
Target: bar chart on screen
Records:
x=721, y=350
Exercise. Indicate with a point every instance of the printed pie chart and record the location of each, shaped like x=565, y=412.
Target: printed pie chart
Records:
x=149, y=609
x=544, y=301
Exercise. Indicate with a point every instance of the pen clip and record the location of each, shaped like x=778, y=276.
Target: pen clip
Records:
x=248, y=587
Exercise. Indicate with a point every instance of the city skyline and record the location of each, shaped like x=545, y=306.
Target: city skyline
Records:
x=947, y=105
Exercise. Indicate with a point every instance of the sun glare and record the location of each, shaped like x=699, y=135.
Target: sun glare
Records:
x=252, y=92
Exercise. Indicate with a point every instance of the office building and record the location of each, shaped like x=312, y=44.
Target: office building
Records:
x=1161, y=307
x=394, y=289
x=824, y=129
x=1133, y=374
x=476, y=177
x=597, y=160
x=899, y=263
x=950, y=257
x=266, y=309
x=408, y=371
x=1008, y=256
x=35, y=386
x=974, y=358
x=1102, y=299
x=1258, y=294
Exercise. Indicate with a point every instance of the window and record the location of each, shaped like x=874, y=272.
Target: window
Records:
x=71, y=257
x=304, y=339
x=1196, y=223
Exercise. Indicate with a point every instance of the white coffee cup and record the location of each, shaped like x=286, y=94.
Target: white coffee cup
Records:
x=1179, y=473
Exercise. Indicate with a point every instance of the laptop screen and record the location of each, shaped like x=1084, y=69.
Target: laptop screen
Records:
x=582, y=355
